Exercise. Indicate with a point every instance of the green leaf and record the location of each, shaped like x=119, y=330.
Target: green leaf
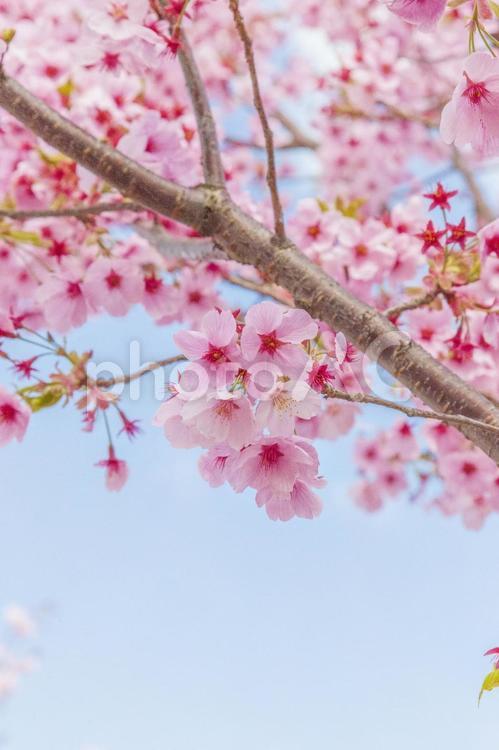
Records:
x=489, y=683
x=51, y=395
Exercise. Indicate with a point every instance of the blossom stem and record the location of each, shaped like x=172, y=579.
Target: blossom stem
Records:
x=78, y=212
x=259, y=106
x=452, y=419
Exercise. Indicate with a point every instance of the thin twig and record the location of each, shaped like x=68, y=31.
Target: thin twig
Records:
x=268, y=290
x=424, y=299
x=210, y=150
x=267, y=130
x=78, y=212
x=452, y=419
x=298, y=138
x=483, y=213
x=125, y=379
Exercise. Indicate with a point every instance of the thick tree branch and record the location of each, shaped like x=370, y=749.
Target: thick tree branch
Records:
x=132, y=180
x=211, y=212
x=259, y=106
x=210, y=151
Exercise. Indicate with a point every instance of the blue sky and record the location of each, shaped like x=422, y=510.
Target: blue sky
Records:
x=181, y=617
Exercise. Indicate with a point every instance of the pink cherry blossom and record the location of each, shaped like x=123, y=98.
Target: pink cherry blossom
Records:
x=271, y=334
x=368, y=496
x=116, y=471
x=489, y=239
x=215, y=464
x=64, y=298
x=300, y=502
x=14, y=417
x=274, y=463
x=157, y=143
x=215, y=343
x=467, y=471
x=227, y=420
x=432, y=327
x=113, y=285
x=288, y=402
x=472, y=115
x=423, y=13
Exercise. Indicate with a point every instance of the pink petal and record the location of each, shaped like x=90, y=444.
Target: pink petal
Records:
x=264, y=317
x=191, y=343
x=296, y=326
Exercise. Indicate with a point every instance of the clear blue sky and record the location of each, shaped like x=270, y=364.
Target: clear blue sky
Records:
x=183, y=618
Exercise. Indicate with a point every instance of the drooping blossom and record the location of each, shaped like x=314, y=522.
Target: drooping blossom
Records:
x=273, y=466
x=422, y=13
x=14, y=417
x=472, y=115
x=116, y=471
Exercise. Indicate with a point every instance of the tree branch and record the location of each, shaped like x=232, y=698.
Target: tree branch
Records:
x=483, y=213
x=125, y=379
x=210, y=151
x=268, y=290
x=425, y=299
x=453, y=420
x=77, y=212
x=267, y=130
x=131, y=179
x=211, y=212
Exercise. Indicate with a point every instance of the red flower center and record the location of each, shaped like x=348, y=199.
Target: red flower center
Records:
x=361, y=250
x=113, y=280
x=195, y=297
x=153, y=284
x=427, y=334
x=73, y=289
x=215, y=355
x=8, y=413
x=492, y=245
x=314, y=230
x=270, y=455
x=475, y=92
x=468, y=468
x=225, y=409
x=269, y=342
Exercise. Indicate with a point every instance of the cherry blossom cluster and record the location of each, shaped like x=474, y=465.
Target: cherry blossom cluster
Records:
x=257, y=388
x=250, y=386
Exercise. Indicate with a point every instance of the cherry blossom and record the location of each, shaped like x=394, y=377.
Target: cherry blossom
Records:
x=14, y=417
x=423, y=13
x=471, y=116
x=270, y=333
x=116, y=471
x=263, y=380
